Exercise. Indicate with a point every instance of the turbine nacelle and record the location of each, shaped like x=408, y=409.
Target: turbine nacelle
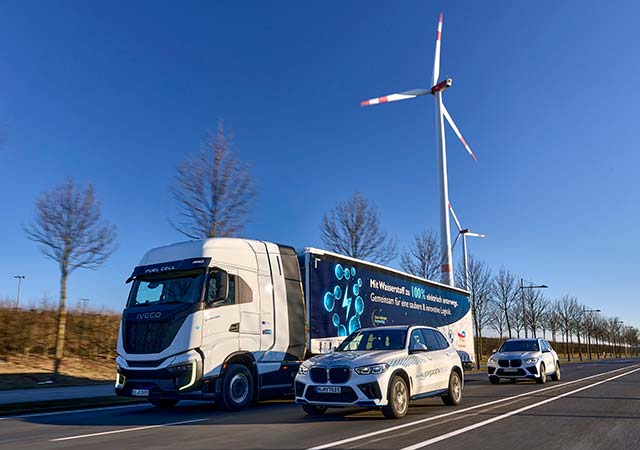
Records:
x=442, y=86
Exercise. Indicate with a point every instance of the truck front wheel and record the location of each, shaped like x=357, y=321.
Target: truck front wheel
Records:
x=163, y=402
x=237, y=387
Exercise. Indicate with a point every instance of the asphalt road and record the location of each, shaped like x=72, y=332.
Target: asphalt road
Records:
x=595, y=406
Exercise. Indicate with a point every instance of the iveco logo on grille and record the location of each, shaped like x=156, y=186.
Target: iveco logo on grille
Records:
x=149, y=315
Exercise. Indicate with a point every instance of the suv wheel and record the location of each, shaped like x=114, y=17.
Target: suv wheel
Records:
x=542, y=378
x=556, y=375
x=494, y=380
x=454, y=393
x=397, y=397
x=237, y=387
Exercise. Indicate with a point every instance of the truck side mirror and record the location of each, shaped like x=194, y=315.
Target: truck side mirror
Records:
x=218, y=286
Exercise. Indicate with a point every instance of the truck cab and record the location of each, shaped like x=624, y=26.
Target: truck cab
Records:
x=217, y=319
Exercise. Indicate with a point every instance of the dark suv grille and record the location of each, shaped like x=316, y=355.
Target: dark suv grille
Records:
x=338, y=375
x=318, y=375
x=510, y=362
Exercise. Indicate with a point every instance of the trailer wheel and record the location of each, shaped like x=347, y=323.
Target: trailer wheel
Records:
x=237, y=387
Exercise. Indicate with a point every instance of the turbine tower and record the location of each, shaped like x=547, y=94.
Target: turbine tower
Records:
x=464, y=232
x=441, y=150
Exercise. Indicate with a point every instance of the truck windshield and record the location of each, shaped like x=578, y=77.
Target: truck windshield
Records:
x=178, y=287
x=520, y=346
x=374, y=340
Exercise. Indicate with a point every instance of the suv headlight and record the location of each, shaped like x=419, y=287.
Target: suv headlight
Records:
x=303, y=370
x=531, y=360
x=373, y=369
x=492, y=361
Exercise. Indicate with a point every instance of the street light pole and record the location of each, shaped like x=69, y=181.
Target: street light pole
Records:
x=524, y=308
x=584, y=311
x=19, y=278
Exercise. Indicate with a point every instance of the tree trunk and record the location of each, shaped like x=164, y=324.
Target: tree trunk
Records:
x=506, y=316
x=62, y=324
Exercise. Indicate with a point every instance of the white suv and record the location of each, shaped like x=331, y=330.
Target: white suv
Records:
x=524, y=358
x=383, y=367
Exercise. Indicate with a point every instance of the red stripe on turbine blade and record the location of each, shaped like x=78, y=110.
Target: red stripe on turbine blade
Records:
x=364, y=103
x=438, y=35
x=474, y=156
x=384, y=99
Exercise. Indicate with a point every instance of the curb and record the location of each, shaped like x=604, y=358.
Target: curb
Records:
x=64, y=404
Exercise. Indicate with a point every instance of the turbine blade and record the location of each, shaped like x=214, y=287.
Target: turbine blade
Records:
x=455, y=242
x=455, y=218
x=436, y=60
x=476, y=235
x=457, y=132
x=406, y=95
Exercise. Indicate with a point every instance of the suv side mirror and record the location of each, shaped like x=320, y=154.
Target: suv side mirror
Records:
x=218, y=286
x=415, y=348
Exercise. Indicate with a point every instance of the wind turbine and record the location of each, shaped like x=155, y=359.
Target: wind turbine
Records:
x=464, y=232
x=441, y=115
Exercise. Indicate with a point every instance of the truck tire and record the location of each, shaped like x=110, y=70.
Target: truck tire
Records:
x=397, y=397
x=314, y=410
x=237, y=387
x=163, y=402
x=454, y=392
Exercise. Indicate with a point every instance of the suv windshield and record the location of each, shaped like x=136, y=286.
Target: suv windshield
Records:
x=178, y=287
x=374, y=340
x=519, y=346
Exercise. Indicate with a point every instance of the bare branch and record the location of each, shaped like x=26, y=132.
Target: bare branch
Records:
x=353, y=228
x=214, y=190
x=423, y=257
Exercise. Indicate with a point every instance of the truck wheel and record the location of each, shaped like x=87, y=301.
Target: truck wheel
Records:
x=398, y=399
x=237, y=387
x=494, y=380
x=314, y=410
x=454, y=393
x=163, y=402
x=556, y=375
x=542, y=378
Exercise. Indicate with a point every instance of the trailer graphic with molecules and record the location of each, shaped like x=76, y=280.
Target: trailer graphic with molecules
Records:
x=343, y=294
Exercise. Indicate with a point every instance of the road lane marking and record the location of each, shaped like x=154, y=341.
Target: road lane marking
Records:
x=73, y=411
x=126, y=430
x=459, y=411
x=509, y=414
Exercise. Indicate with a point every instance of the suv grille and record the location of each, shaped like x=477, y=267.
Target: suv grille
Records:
x=339, y=375
x=510, y=362
x=318, y=375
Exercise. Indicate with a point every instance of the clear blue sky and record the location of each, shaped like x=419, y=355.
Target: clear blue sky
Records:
x=546, y=94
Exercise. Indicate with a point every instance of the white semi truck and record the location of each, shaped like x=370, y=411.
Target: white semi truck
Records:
x=230, y=320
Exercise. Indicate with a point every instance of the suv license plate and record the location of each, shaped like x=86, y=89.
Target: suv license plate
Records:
x=328, y=389
x=140, y=392
x=510, y=370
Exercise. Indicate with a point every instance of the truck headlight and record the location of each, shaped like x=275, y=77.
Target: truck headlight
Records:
x=531, y=360
x=373, y=369
x=492, y=361
x=303, y=370
x=184, y=367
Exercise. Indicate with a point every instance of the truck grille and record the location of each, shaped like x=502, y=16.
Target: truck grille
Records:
x=149, y=337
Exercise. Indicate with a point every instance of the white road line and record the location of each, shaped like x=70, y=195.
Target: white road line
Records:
x=459, y=411
x=126, y=430
x=74, y=411
x=509, y=414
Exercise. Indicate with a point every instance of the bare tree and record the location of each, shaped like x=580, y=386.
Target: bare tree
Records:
x=567, y=309
x=353, y=228
x=69, y=228
x=536, y=305
x=480, y=290
x=504, y=293
x=214, y=190
x=551, y=321
x=497, y=319
x=423, y=257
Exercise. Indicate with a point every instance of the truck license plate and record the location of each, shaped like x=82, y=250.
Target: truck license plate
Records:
x=328, y=389
x=140, y=392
